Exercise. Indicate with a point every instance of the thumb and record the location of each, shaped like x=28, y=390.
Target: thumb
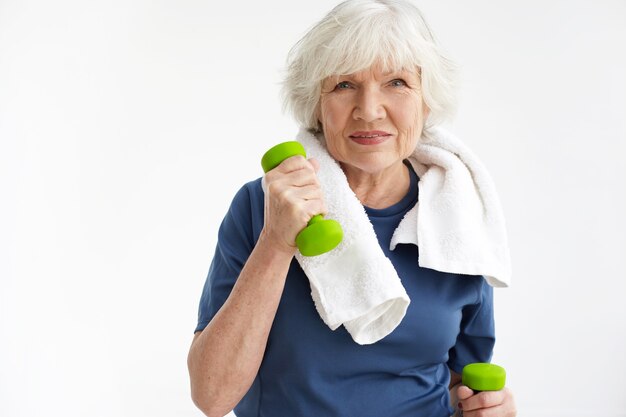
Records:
x=464, y=392
x=315, y=163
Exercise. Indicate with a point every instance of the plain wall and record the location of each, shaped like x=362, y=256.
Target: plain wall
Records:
x=126, y=127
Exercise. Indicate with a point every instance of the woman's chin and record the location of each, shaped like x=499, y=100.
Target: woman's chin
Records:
x=372, y=165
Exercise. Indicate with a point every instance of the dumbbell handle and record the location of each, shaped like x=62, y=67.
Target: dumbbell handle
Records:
x=315, y=219
x=277, y=154
x=320, y=235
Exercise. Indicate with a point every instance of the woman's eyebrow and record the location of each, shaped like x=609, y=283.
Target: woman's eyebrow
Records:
x=355, y=77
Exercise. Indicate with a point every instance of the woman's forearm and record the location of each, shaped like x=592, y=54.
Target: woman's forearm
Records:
x=225, y=357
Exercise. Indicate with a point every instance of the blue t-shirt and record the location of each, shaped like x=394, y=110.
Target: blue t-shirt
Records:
x=310, y=370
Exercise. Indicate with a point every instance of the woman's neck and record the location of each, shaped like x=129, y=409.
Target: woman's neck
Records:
x=381, y=189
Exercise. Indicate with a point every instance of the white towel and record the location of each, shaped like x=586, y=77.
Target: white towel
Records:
x=457, y=225
x=459, y=221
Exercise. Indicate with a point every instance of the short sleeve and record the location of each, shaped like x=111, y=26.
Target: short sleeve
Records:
x=476, y=338
x=235, y=242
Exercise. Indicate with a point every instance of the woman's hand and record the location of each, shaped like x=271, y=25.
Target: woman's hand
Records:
x=487, y=403
x=292, y=196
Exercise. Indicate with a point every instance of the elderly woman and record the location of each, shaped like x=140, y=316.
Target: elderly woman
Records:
x=368, y=81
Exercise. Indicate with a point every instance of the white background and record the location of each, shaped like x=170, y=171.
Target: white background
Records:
x=127, y=127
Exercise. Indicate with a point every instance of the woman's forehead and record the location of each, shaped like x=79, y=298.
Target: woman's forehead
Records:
x=376, y=72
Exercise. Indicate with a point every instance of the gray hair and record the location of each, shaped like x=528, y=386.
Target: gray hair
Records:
x=355, y=35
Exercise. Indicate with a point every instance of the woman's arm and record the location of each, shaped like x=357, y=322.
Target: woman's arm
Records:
x=455, y=379
x=225, y=357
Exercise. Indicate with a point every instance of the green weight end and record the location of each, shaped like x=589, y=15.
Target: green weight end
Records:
x=484, y=377
x=277, y=154
x=319, y=237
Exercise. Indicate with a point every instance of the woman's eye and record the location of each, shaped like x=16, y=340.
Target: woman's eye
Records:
x=342, y=85
x=398, y=83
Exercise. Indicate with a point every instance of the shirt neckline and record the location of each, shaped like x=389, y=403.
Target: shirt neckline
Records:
x=404, y=204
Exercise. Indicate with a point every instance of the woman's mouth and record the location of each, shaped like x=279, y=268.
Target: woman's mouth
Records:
x=370, y=138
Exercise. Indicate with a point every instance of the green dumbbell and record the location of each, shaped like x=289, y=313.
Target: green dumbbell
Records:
x=320, y=235
x=484, y=377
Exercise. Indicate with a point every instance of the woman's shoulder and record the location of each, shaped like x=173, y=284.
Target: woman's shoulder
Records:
x=249, y=195
x=246, y=207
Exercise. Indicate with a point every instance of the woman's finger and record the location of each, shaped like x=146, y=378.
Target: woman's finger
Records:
x=486, y=399
x=314, y=162
x=464, y=392
x=293, y=163
x=304, y=175
x=486, y=412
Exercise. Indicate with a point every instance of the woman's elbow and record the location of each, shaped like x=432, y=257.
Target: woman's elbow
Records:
x=200, y=394
x=203, y=399
x=209, y=407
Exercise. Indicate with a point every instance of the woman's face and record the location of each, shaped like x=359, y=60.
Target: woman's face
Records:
x=372, y=120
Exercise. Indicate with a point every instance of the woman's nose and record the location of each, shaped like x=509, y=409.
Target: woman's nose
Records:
x=369, y=106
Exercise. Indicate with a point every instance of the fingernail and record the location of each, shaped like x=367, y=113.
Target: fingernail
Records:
x=460, y=406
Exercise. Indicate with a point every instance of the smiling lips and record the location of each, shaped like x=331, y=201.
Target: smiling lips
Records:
x=372, y=137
